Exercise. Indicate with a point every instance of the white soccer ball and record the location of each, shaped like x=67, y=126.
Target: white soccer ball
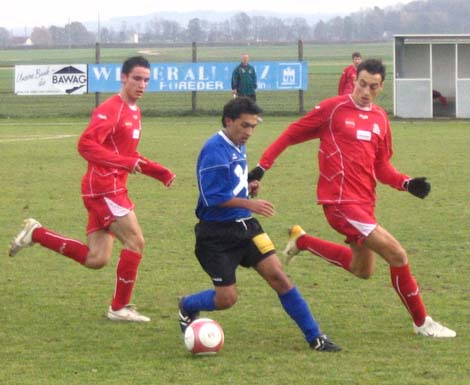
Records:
x=204, y=336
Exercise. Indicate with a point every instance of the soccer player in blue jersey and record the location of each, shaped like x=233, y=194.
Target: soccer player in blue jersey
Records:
x=228, y=236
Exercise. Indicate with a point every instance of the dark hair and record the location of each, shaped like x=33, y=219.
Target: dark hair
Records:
x=373, y=66
x=238, y=106
x=134, y=61
x=356, y=54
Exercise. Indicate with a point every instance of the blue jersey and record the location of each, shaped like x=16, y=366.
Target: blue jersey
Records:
x=222, y=174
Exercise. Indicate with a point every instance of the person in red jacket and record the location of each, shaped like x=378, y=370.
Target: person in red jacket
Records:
x=346, y=81
x=109, y=145
x=355, y=151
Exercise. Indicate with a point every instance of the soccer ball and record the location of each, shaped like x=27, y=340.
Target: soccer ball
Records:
x=204, y=336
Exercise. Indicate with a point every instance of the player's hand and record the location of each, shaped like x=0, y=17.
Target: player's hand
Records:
x=253, y=188
x=262, y=207
x=418, y=187
x=256, y=174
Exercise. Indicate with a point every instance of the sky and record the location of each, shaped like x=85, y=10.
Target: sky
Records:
x=30, y=13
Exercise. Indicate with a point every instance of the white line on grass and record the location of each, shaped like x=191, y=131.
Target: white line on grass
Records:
x=36, y=137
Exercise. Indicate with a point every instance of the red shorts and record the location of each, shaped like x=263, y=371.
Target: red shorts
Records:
x=104, y=210
x=354, y=221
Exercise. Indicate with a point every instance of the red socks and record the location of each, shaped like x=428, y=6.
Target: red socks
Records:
x=126, y=275
x=336, y=254
x=407, y=289
x=71, y=248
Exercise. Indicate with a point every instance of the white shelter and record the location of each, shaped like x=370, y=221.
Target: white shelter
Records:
x=425, y=64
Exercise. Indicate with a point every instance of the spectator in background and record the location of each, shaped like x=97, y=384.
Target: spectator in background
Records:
x=244, y=79
x=436, y=95
x=346, y=81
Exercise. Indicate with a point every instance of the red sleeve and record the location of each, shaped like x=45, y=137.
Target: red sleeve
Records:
x=157, y=171
x=306, y=128
x=90, y=142
x=384, y=170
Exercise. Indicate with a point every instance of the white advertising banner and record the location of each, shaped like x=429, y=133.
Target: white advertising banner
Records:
x=54, y=79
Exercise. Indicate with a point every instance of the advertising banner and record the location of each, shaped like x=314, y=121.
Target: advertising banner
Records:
x=202, y=76
x=54, y=79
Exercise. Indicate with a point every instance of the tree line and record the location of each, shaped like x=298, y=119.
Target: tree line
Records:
x=372, y=24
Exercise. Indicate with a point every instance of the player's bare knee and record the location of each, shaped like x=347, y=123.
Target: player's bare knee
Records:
x=135, y=243
x=226, y=301
x=96, y=261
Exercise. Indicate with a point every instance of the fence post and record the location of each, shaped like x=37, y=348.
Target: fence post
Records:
x=193, y=93
x=301, y=92
x=97, y=61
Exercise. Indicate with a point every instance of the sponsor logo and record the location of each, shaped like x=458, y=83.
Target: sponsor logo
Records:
x=364, y=116
x=136, y=133
x=364, y=135
x=126, y=281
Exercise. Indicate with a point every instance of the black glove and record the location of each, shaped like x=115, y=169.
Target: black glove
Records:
x=418, y=187
x=255, y=174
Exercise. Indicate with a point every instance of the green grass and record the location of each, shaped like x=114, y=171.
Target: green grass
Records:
x=52, y=325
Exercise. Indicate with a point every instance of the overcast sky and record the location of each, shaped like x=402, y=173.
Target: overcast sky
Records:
x=29, y=13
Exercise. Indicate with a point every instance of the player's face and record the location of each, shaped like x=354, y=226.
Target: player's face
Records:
x=135, y=83
x=367, y=87
x=241, y=129
x=356, y=61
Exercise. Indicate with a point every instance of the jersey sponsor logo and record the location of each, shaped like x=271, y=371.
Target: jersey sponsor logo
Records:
x=376, y=129
x=364, y=116
x=364, y=135
x=136, y=133
x=350, y=123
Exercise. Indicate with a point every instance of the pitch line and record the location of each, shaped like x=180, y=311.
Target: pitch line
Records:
x=30, y=138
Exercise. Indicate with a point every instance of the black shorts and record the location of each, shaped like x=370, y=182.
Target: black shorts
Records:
x=222, y=246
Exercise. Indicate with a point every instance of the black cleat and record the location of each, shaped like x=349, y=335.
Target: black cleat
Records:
x=184, y=317
x=323, y=344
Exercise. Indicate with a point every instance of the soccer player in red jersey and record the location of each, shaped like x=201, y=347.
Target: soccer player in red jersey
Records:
x=355, y=151
x=346, y=81
x=109, y=145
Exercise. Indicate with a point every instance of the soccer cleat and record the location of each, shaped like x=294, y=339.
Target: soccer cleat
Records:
x=184, y=317
x=431, y=328
x=291, y=250
x=324, y=344
x=128, y=313
x=24, y=238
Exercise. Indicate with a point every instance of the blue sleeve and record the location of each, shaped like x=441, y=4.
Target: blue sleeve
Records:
x=214, y=178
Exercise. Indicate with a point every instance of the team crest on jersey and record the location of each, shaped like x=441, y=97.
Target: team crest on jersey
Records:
x=135, y=117
x=128, y=124
x=234, y=156
x=350, y=123
x=376, y=129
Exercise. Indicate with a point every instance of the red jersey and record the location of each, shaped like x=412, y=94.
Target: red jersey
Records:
x=355, y=150
x=346, y=81
x=109, y=145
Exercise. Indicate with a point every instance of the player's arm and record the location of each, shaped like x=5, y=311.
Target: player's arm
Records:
x=341, y=83
x=257, y=206
x=306, y=128
x=255, y=80
x=157, y=171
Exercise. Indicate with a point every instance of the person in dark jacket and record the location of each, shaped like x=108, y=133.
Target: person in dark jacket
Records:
x=244, y=79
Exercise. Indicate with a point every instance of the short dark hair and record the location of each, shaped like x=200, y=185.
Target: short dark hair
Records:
x=238, y=106
x=134, y=61
x=356, y=54
x=373, y=66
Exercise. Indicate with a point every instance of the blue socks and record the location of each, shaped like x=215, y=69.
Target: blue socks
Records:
x=297, y=308
x=202, y=301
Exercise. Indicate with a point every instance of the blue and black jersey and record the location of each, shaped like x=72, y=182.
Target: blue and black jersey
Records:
x=222, y=174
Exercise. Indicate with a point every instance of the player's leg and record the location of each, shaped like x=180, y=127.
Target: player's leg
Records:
x=33, y=232
x=128, y=231
x=293, y=303
x=404, y=283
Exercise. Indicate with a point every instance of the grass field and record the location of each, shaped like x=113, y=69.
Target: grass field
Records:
x=52, y=324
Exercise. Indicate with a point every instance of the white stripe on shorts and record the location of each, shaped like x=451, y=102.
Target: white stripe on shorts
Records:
x=115, y=209
x=364, y=228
